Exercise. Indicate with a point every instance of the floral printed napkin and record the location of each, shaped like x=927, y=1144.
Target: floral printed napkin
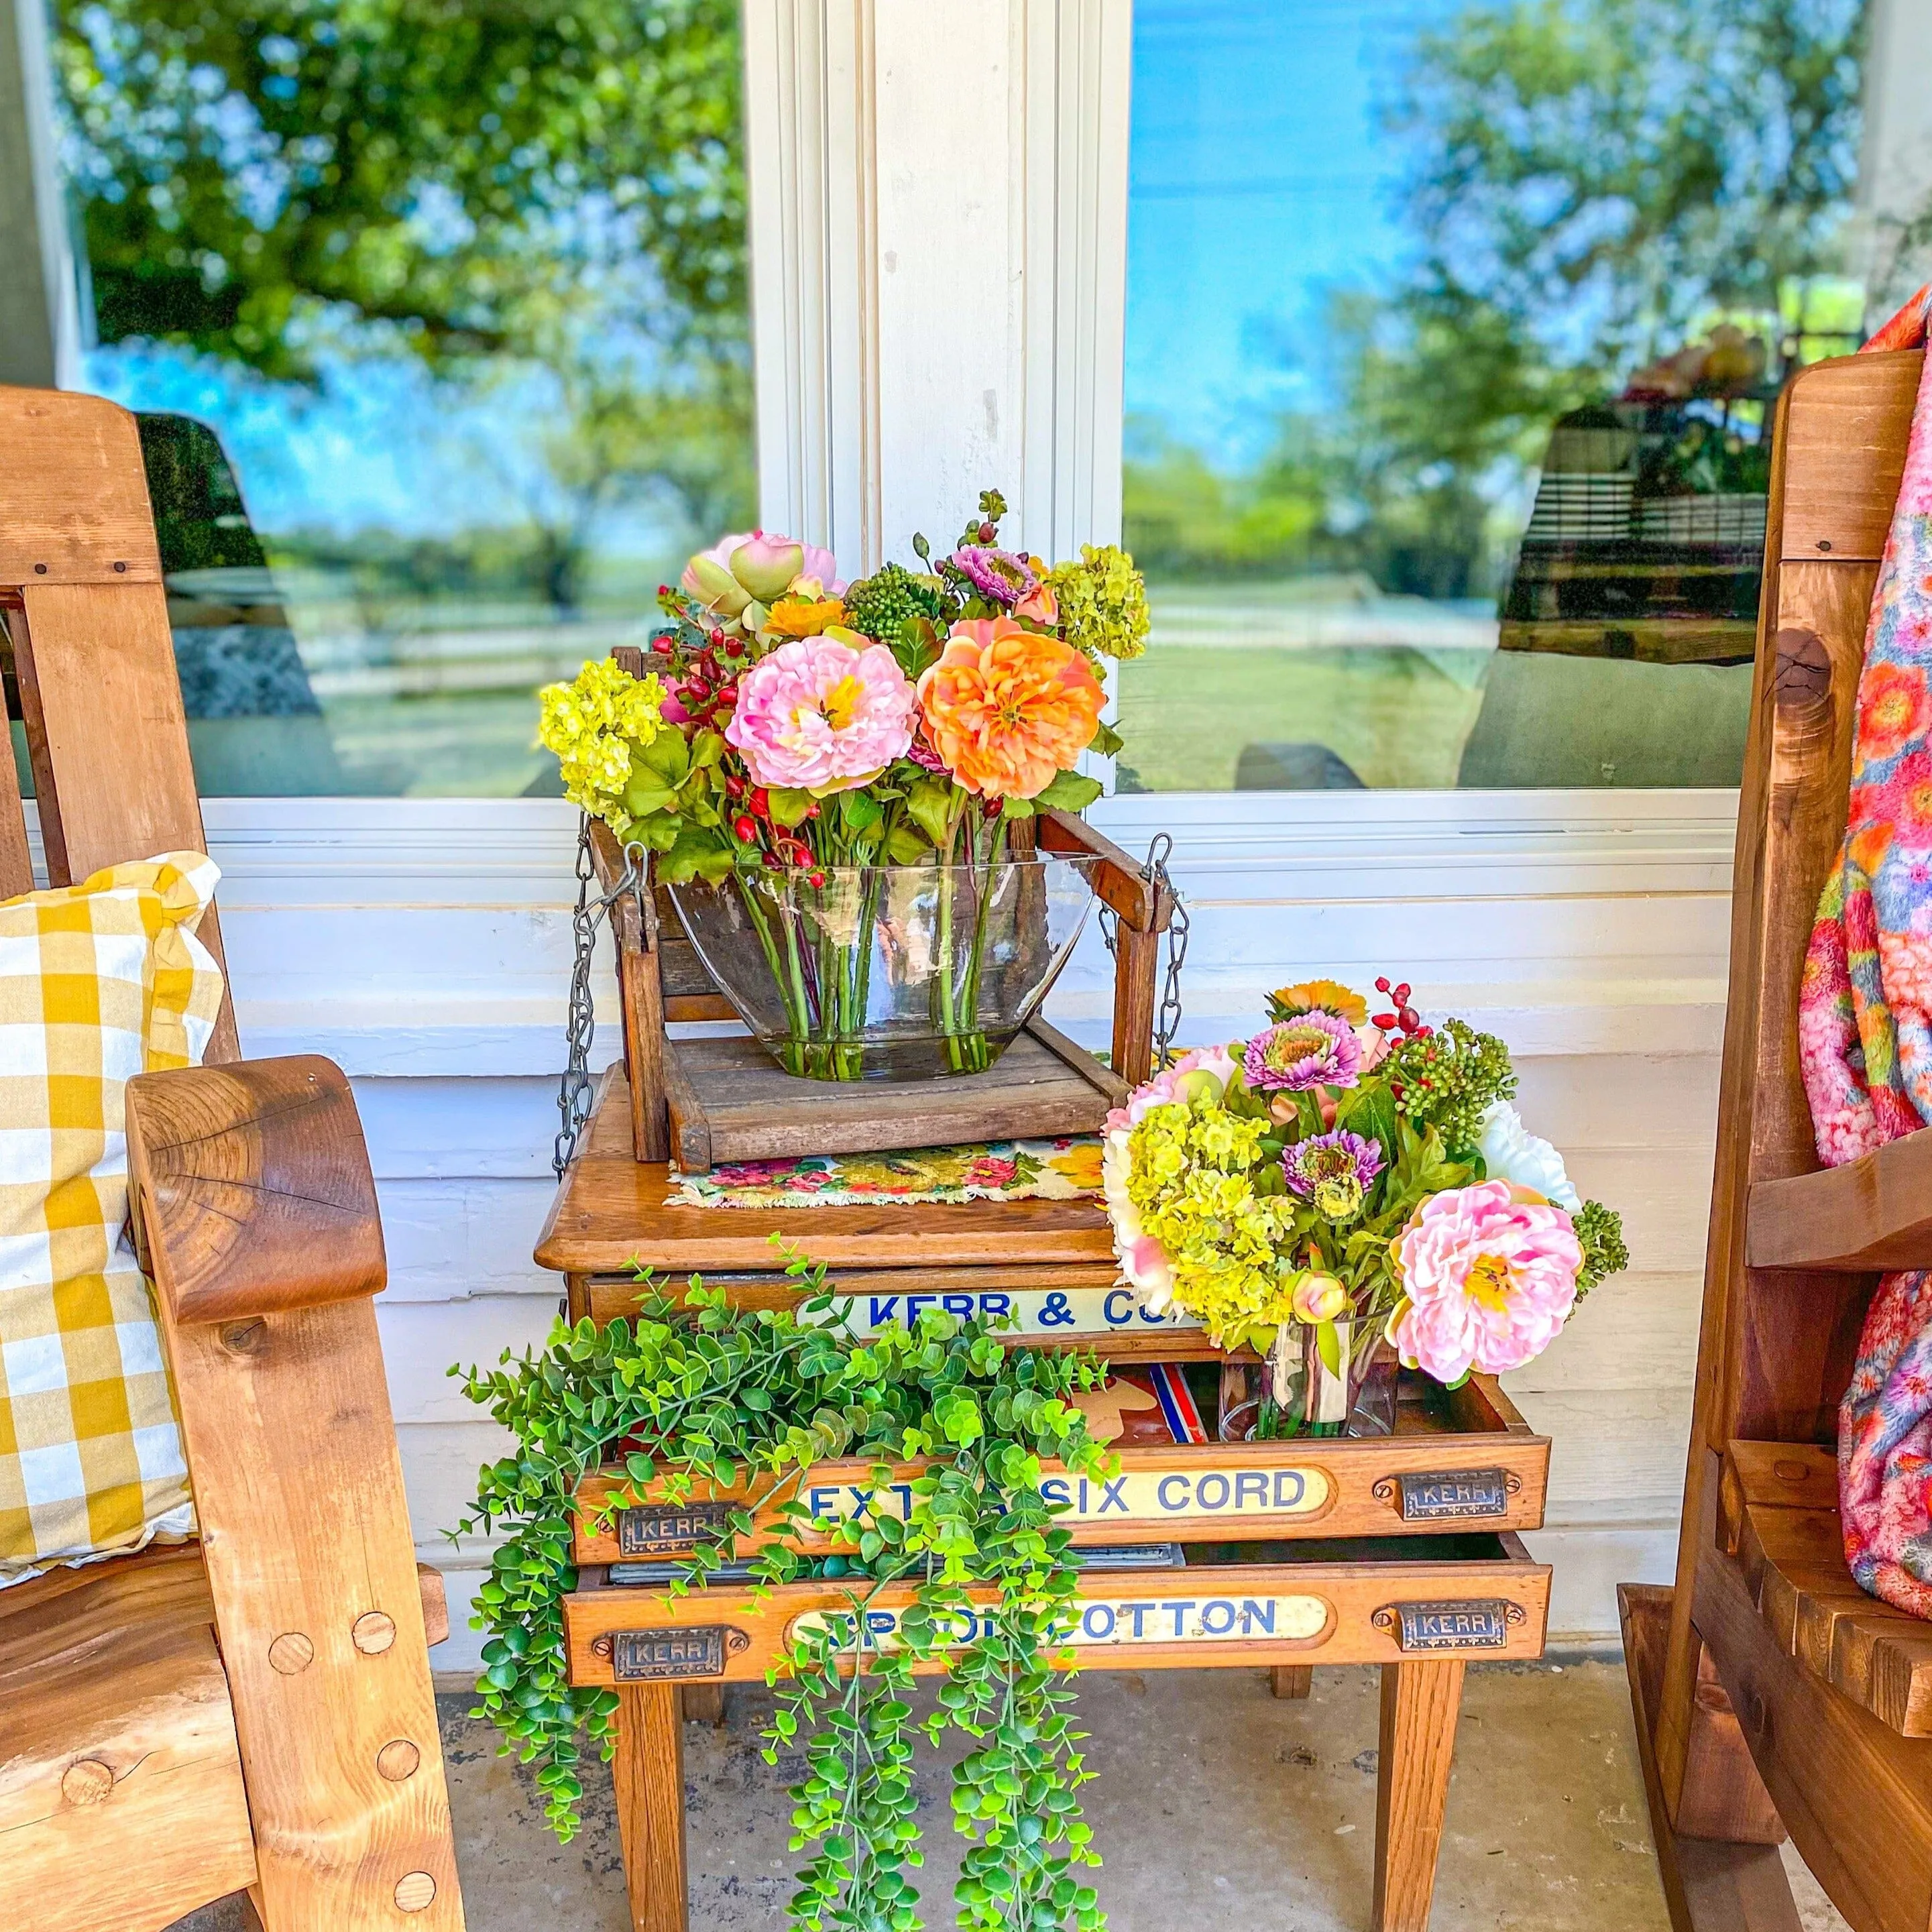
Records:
x=1066, y=1169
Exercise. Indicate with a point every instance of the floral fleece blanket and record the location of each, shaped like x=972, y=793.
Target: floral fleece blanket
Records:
x=1864, y=1023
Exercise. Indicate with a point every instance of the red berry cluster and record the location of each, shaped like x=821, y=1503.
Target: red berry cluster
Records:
x=1405, y=1022
x=706, y=685
x=754, y=826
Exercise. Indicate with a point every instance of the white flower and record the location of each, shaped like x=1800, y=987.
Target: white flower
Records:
x=1511, y=1153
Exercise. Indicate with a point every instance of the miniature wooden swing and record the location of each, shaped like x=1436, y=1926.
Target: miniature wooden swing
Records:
x=1399, y=1550
x=1771, y=1694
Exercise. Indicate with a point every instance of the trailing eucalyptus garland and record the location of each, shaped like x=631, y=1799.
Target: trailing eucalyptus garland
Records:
x=704, y=1394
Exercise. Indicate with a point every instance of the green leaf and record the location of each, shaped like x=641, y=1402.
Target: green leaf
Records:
x=789, y=805
x=667, y=757
x=860, y=811
x=932, y=803
x=1106, y=742
x=907, y=844
x=1328, y=1345
x=1069, y=792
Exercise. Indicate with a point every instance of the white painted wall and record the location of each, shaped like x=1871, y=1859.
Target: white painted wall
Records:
x=426, y=947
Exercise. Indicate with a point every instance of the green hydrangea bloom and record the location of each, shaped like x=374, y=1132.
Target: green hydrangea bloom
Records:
x=1103, y=599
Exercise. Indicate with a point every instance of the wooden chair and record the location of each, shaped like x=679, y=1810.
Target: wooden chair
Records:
x=254, y=1711
x=1771, y=1694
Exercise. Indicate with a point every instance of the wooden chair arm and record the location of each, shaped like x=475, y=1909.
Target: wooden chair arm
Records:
x=1874, y=1212
x=251, y=1188
x=1119, y=878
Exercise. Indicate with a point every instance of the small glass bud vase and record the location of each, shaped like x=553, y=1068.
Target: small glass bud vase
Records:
x=1301, y=1395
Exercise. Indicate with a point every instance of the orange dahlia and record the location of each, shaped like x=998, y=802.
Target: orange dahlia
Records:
x=1007, y=708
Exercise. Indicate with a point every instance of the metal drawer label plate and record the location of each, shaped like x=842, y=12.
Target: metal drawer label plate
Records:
x=641, y=1656
x=1438, y=1495
x=660, y=1532
x=1473, y=1624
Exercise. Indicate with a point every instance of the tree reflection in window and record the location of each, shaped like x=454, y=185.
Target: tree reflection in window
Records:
x=461, y=290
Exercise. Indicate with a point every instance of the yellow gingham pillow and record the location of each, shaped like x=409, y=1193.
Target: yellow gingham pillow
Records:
x=98, y=981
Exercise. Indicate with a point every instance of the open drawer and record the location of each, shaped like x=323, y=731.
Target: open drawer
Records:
x=1363, y=1600
x=1459, y=1456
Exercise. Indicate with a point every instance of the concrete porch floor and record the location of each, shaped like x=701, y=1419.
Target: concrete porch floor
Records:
x=1211, y=1798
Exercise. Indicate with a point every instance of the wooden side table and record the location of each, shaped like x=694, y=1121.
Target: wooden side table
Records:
x=1400, y=1551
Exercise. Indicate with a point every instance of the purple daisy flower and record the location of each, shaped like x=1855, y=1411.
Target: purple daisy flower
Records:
x=1334, y=1170
x=996, y=574
x=1313, y=1049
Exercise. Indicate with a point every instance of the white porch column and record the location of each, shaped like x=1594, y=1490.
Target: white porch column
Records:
x=938, y=236
x=40, y=313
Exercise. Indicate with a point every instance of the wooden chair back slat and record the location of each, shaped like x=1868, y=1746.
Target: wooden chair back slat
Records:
x=80, y=573
x=17, y=861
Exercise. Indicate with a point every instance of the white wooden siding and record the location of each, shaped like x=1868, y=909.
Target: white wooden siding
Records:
x=426, y=947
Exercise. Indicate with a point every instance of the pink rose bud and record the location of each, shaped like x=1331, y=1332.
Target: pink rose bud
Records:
x=765, y=565
x=713, y=586
x=1319, y=1297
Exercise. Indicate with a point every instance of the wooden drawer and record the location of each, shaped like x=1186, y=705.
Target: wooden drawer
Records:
x=1360, y=1600
x=1428, y=1474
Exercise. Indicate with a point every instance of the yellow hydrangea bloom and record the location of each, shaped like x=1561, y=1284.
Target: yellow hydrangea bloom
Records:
x=1190, y=1180
x=591, y=724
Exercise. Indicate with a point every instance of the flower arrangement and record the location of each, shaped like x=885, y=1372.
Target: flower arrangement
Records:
x=793, y=727
x=1340, y=1180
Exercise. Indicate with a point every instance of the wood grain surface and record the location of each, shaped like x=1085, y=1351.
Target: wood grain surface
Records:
x=73, y=493
x=611, y=1214
x=252, y=1189
x=285, y=1417
x=96, y=666
x=648, y=1774
x=1420, y=1702
x=735, y=1102
x=1874, y=1214
x=1855, y=1796
x=1845, y=439
x=121, y=1800
x=1708, y=1885
x=1342, y=1487
x=1777, y=1342
x=1353, y=1578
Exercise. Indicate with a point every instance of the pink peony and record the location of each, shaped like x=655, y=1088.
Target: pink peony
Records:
x=1489, y=1273
x=822, y=714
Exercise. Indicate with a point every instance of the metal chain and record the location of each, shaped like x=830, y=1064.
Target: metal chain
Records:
x=1167, y=1020
x=576, y=1089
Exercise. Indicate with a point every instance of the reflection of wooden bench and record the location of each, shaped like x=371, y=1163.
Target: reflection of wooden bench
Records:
x=1772, y=1693
x=253, y=1712
x=1398, y=1551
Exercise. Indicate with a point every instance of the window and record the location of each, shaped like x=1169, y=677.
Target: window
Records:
x=1453, y=330
x=435, y=315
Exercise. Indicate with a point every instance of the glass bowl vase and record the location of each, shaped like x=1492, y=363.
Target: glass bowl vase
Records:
x=893, y=972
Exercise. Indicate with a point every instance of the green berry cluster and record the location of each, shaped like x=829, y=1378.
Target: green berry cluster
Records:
x=879, y=604
x=1600, y=1233
x=1447, y=1079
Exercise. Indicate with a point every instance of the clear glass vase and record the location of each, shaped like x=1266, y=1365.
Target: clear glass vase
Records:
x=1301, y=1395
x=892, y=973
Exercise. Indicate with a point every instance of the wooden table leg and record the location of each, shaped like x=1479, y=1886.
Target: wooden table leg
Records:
x=1420, y=1702
x=648, y=1774
x=704, y=1704
x=1292, y=1680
